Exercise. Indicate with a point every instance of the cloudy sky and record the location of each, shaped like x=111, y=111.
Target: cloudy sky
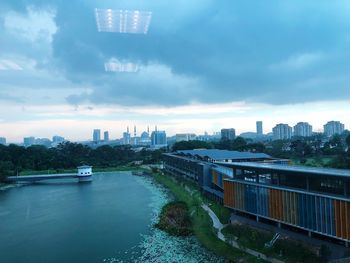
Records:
x=203, y=65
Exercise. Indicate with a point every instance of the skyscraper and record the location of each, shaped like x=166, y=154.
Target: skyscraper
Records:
x=158, y=139
x=228, y=134
x=96, y=137
x=282, y=132
x=333, y=127
x=259, y=128
x=303, y=129
x=106, y=136
x=126, y=137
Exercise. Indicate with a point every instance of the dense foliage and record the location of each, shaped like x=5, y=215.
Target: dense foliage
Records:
x=175, y=220
x=68, y=155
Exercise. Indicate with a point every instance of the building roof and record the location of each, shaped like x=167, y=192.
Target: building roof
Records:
x=292, y=168
x=224, y=154
x=84, y=166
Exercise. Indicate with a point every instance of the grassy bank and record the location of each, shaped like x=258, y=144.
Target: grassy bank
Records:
x=201, y=222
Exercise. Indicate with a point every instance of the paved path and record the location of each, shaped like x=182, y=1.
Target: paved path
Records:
x=219, y=226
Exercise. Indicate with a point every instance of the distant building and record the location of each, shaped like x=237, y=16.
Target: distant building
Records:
x=303, y=129
x=158, y=139
x=259, y=128
x=57, y=139
x=185, y=137
x=106, y=136
x=3, y=140
x=228, y=134
x=126, y=138
x=43, y=141
x=145, y=139
x=282, y=132
x=333, y=127
x=28, y=141
x=96, y=137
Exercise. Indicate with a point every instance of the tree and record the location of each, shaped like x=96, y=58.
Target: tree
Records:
x=347, y=140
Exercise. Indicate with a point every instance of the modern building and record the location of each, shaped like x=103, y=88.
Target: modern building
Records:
x=3, y=140
x=310, y=200
x=28, y=141
x=333, y=127
x=228, y=134
x=185, y=137
x=282, y=132
x=106, y=136
x=96, y=136
x=303, y=129
x=197, y=165
x=259, y=128
x=158, y=139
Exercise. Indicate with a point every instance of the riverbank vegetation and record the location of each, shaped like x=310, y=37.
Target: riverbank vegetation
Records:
x=67, y=156
x=175, y=219
x=285, y=249
x=202, y=225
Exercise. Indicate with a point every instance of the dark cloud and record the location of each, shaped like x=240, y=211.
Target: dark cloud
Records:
x=275, y=52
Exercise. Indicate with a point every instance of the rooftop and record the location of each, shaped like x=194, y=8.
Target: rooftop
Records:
x=224, y=154
x=293, y=168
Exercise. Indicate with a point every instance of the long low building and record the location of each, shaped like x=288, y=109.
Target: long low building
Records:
x=307, y=199
x=315, y=200
x=200, y=165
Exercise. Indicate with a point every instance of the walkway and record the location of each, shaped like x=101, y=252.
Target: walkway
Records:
x=219, y=226
x=35, y=178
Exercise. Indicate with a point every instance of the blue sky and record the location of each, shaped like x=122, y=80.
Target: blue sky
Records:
x=204, y=65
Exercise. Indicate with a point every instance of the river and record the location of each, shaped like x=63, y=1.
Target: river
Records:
x=108, y=220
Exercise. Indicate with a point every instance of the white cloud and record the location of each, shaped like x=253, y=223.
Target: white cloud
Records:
x=298, y=62
x=35, y=25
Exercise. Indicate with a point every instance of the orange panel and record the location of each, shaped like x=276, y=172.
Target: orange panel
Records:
x=228, y=194
x=347, y=224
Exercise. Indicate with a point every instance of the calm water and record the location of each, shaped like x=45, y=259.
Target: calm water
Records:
x=108, y=220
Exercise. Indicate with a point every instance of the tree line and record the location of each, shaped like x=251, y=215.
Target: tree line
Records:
x=337, y=148
x=15, y=159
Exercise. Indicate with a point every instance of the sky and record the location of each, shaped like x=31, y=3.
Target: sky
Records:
x=203, y=65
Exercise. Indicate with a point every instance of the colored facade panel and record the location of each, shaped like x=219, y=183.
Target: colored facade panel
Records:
x=312, y=212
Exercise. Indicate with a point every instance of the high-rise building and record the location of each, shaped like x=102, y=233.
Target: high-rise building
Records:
x=57, y=139
x=106, y=136
x=282, y=132
x=228, y=134
x=259, y=128
x=333, y=127
x=28, y=141
x=158, y=139
x=126, y=137
x=96, y=137
x=3, y=140
x=185, y=137
x=303, y=129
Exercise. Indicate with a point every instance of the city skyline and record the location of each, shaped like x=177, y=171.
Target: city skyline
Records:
x=137, y=132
